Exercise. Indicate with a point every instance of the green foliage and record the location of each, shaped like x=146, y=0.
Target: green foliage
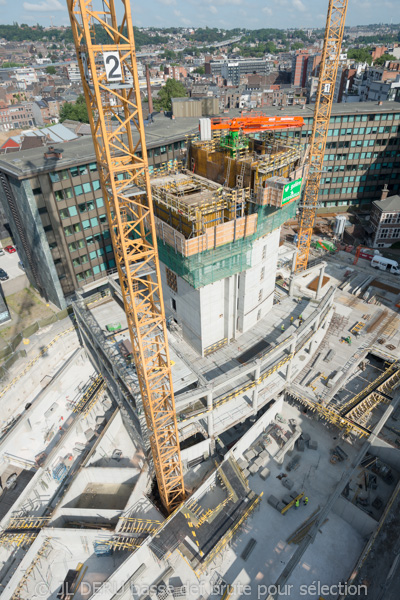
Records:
x=191, y=51
x=207, y=35
x=259, y=50
x=200, y=70
x=382, y=59
x=16, y=33
x=51, y=70
x=9, y=65
x=360, y=55
x=379, y=39
x=297, y=45
x=266, y=35
x=75, y=112
x=172, y=89
x=169, y=54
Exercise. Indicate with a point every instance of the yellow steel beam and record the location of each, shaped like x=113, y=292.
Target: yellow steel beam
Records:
x=323, y=105
x=110, y=81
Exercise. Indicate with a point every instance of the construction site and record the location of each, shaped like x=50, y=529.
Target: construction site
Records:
x=222, y=421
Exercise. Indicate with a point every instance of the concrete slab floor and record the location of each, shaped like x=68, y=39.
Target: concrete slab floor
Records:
x=50, y=414
x=317, y=477
x=27, y=387
x=327, y=561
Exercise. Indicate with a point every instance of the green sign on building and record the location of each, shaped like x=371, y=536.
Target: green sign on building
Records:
x=291, y=191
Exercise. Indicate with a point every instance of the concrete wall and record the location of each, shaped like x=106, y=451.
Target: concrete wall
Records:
x=98, y=475
x=212, y=299
x=195, y=107
x=357, y=518
x=36, y=238
x=257, y=284
x=259, y=426
x=385, y=452
x=188, y=311
x=206, y=315
x=196, y=451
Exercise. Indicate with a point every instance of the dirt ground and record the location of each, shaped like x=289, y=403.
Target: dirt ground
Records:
x=25, y=308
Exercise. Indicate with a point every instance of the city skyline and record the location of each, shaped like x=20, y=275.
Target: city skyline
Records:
x=226, y=14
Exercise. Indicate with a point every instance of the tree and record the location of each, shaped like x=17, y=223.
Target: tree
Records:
x=199, y=70
x=172, y=89
x=360, y=55
x=75, y=112
x=379, y=62
x=51, y=70
x=169, y=54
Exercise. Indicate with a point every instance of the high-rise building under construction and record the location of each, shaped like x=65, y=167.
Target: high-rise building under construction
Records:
x=218, y=226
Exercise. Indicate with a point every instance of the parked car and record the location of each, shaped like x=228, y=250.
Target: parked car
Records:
x=3, y=275
x=10, y=249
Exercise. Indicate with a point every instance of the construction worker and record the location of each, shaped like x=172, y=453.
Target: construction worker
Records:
x=297, y=504
x=283, y=328
x=291, y=319
x=305, y=500
x=300, y=319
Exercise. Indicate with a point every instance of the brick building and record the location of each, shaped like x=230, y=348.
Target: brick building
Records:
x=16, y=116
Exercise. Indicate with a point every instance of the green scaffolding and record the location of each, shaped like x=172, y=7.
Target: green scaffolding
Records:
x=212, y=265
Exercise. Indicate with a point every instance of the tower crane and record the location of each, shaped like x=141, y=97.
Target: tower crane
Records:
x=106, y=56
x=323, y=105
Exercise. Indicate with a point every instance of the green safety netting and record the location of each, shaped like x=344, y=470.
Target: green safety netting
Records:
x=212, y=265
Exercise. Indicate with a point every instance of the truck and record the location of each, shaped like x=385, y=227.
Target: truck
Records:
x=385, y=264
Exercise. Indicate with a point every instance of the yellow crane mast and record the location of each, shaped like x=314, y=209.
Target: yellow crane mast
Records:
x=323, y=105
x=106, y=55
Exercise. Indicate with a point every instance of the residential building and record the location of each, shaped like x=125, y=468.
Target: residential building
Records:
x=72, y=72
x=47, y=110
x=232, y=71
x=385, y=221
x=299, y=68
x=16, y=116
x=174, y=72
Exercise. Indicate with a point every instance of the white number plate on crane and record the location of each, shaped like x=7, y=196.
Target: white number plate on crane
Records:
x=327, y=88
x=112, y=65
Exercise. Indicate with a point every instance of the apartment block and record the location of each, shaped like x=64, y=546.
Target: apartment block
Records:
x=233, y=70
x=16, y=116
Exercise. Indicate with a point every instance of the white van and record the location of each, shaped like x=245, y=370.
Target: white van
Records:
x=385, y=264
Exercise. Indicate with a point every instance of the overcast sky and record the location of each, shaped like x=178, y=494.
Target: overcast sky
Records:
x=252, y=14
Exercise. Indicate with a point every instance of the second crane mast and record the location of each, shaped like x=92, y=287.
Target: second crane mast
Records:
x=323, y=105
x=107, y=61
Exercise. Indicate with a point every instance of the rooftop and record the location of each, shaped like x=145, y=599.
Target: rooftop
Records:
x=390, y=204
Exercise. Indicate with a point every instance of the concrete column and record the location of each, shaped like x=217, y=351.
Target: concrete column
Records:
x=291, y=281
x=320, y=280
x=210, y=418
x=255, y=391
x=290, y=363
x=291, y=286
x=294, y=261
